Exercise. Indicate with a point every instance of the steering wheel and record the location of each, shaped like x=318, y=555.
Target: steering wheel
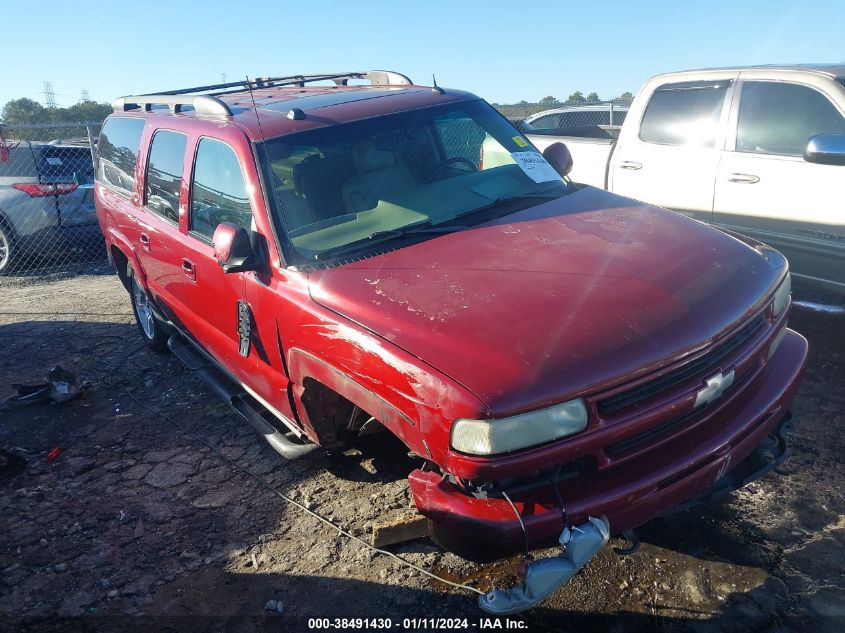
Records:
x=452, y=161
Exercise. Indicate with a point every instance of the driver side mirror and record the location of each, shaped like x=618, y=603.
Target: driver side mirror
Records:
x=233, y=248
x=826, y=149
x=559, y=157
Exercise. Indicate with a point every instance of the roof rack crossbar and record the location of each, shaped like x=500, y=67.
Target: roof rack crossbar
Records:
x=340, y=79
x=376, y=77
x=208, y=104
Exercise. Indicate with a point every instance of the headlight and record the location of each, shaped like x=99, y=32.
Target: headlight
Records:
x=782, y=295
x=491, y=437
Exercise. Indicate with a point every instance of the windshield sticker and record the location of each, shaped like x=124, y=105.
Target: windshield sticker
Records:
x=54, y=160
x=520, y=141
x=535, y=166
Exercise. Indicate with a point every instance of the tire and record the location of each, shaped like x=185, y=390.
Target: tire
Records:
x=153, y=331
x=7, y=249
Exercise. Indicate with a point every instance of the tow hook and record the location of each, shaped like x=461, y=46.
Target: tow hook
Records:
x=633, y=544
x=581, y=543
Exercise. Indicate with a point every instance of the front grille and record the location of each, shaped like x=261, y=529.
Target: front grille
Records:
x=634, y=441
x=699, y=366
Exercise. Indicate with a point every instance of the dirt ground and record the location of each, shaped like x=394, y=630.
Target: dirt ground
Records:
x=139, y=525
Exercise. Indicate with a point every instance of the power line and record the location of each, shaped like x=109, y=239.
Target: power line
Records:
x=84, y=96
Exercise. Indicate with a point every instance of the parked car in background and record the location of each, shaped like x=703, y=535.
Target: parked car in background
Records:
x=338, y=259
x=573, y=117
x=46, y=201
x=758, y=150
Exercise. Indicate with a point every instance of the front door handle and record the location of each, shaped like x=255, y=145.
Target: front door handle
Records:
x=145, y=242
x=747, y=179
x=189, y=269
x=630, y=164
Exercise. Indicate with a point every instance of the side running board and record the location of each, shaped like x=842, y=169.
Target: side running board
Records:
x=244, y=405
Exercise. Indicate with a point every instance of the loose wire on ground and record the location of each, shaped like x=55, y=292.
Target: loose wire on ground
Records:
x=268, y=486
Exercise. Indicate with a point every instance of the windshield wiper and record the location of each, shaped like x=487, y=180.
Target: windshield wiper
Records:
x=419, y=229
x=504, y=201
x=413, y=230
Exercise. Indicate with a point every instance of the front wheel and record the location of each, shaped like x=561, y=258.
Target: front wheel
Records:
x=152, y=329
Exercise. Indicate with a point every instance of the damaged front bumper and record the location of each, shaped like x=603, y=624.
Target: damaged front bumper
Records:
x=697, y=466
x=542, y=577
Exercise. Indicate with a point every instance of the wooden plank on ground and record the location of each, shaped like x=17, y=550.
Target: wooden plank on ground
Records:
x=400, y=530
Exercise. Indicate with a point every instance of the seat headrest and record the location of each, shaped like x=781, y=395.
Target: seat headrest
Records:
x=367, y=158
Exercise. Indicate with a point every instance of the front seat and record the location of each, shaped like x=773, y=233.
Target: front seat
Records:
x=380, y=173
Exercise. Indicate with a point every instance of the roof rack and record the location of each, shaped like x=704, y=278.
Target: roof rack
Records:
x=209, y=104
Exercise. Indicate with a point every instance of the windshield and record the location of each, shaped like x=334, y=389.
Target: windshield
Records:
x=350, y=186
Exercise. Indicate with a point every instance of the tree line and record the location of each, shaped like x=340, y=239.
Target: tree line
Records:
x=28, y=112
x=578, y=98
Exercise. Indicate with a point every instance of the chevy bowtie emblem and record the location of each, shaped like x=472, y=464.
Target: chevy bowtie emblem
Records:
x=716, y=386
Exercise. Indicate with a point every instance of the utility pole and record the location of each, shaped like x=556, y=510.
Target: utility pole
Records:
x=49, y=95
x=84, y=97
x=223, y=77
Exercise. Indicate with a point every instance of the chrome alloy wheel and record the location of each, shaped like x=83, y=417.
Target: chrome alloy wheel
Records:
x=143, y=310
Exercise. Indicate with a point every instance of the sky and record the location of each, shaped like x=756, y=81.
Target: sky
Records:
x=502, y=51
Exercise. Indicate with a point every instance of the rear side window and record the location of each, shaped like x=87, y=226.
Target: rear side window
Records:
x=164, y=174
x=684, y=114
x=117, y=152
x=63, y=163
x=779, y=118
x=218, y=190
x=548, y=122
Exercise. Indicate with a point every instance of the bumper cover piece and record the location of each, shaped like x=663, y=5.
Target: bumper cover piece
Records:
x=544, y=576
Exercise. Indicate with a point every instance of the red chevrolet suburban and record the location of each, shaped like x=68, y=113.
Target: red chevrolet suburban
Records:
x=334, y=255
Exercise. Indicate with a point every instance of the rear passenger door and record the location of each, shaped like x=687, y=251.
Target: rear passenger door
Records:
x=160, y=241
x=669, y=157
x=765, y=188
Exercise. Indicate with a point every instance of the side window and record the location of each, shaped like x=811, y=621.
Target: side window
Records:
x=117, y=152
x=684, y=114
x=164, y=174
x=779, y=118
x=548, y=122
x=218, y=190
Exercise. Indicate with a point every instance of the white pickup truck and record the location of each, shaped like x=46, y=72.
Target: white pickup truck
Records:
x=757, y=150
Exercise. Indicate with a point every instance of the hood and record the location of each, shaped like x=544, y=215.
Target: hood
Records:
x=557, y=300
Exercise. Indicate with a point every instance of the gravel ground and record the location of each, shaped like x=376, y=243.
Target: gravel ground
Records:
x=139, y=525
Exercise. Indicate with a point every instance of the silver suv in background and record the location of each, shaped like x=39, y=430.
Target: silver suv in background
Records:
x=46, y=202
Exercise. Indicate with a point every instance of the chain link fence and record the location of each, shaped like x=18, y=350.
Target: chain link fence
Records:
x=47, y=218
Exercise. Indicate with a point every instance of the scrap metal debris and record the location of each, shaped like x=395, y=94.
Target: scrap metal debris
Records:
x=59, y=386
x=581, y=543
